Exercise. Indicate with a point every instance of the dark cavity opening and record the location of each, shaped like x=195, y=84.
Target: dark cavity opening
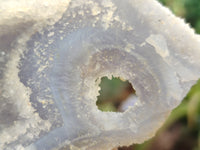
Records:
x=116, y=95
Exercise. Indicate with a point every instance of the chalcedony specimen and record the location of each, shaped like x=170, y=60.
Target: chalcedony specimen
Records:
x=53, y=54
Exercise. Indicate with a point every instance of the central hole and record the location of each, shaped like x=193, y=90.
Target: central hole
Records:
x=116, y=95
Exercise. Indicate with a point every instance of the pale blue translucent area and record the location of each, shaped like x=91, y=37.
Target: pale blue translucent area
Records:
x=52, y=92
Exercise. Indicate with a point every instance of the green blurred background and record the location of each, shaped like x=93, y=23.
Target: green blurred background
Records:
x=182, y=129
x=188, y=9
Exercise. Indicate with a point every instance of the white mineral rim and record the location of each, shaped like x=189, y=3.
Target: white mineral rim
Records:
x=52, y=52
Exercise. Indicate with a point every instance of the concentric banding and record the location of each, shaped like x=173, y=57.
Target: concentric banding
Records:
x=71, y=55
x=50, y=86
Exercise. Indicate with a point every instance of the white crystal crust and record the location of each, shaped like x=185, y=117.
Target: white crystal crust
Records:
x=53, y=55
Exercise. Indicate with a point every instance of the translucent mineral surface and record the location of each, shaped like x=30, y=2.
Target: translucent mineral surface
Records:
x=53, y=54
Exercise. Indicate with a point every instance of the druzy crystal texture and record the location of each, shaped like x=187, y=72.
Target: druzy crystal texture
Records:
x=54, y=53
